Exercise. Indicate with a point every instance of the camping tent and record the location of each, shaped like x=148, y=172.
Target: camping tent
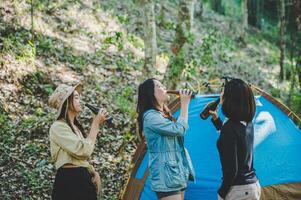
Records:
x=277, y=149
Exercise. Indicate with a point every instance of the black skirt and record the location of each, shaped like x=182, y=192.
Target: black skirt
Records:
x=73, y=184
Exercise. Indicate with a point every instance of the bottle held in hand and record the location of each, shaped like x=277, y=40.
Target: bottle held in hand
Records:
x=211, y=106
x=95, y=110
x=177, y=92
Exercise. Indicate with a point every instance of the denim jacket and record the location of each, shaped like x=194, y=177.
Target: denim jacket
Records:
x=169, y=162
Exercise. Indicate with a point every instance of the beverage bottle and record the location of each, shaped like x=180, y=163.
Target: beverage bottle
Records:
x=211, y=106
x=95, y=110
x=176, y=92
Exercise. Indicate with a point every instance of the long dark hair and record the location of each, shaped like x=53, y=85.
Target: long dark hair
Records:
x=147, y=101
x=238, y=101
x=64, y=115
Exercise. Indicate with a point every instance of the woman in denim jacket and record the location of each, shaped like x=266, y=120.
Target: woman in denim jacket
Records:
x=169, y=163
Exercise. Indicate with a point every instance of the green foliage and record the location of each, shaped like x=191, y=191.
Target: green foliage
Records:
x=270, y=32
x=121, y=64
x=31, y=177
x=38, y=83
x=170, y=25
x=232, y=8
x=127, y=62
x=214, y=49
x=7, y=138
x=115, y=39
x=39, y=5
x=39, y=112
x=275, y=92
x=190, y=38
x=48, y=5
x=44, y=44
x=78, y=63
x=296, y=102
x=3, y=118
x=29, y=122
x=33, y=125
x=177, y=64
x=124, y=101
x=190, y=70
x=128, y=136
x=123, y=19
x=135, y=41
x=32, y=149
x=19, y=45
x=49, y=47
x=207, y=45
x=5, y=129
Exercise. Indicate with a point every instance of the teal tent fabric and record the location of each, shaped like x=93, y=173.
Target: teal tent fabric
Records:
x=276, y=157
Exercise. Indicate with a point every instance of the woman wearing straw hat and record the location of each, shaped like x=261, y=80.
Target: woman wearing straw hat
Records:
x=71, y=148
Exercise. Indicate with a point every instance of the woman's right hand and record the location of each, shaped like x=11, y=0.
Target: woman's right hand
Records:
x=96, y=180
x=101, y=117
x=185, y=96
x=214, y=114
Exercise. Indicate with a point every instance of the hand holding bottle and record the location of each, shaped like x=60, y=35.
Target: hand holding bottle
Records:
x=211, y=106
x=214, y=114
x=96, y=111
x=185, y=96
x=101, y=116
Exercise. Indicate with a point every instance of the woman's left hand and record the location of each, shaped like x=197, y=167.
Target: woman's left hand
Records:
x=185, y=96
x=97, y=182
x=214, y=114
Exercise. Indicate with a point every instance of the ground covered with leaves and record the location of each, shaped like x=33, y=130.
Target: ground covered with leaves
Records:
x=99, y=43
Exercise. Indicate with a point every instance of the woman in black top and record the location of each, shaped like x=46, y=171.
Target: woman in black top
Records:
x=235, y=143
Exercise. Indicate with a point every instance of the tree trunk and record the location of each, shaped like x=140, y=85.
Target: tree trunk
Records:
x=184, y=25
x=292, y=76
x=32, y=22
x=162, y=17
x=298, y=67
x=199, y=9
x=150, y=41
x=282, y=42
x=255, y=9
x=259, y=8
x=252, y=15
x=297, y=5
x=244, y=25
x=183, y=30
x=216, y=5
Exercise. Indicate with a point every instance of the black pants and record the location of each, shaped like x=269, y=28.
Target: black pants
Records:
x=73, y=184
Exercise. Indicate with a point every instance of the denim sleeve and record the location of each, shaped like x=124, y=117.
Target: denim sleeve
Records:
x=154, y=121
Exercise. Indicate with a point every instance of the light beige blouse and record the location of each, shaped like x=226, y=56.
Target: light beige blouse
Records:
x=68, y=147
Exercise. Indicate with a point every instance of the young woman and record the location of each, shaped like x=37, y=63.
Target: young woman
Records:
x=235, y=143
x=169, y=162
x=70, y=149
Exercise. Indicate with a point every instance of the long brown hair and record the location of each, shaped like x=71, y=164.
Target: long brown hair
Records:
x=68, y=104
x=147, y=101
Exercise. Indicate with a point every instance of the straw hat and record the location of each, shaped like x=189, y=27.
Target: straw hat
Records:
x=60, y=94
